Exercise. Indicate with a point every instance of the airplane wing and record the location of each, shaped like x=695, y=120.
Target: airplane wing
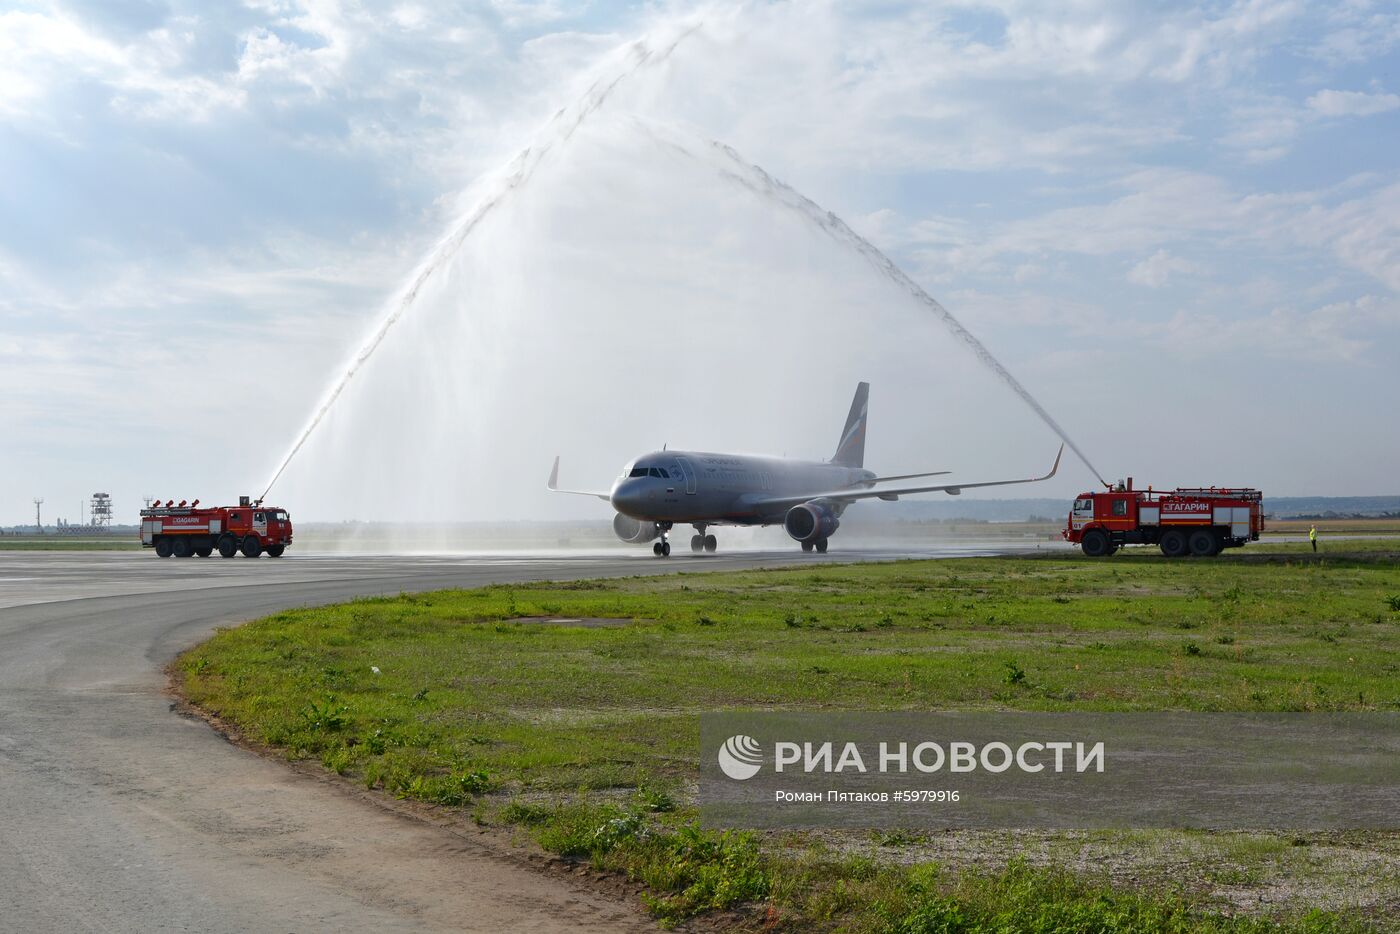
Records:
x=952, y=489
x=908, y=476
x=554, y=485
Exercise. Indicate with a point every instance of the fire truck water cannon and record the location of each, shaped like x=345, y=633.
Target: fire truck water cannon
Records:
x=184, y=531
x=1197, y=521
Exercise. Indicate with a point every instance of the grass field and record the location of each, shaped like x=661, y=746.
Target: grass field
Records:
x=584, y=736
x=1334, y=526
x=66, y=543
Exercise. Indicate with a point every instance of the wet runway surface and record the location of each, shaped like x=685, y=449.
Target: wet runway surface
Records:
x=118, y=814
x=40, y=577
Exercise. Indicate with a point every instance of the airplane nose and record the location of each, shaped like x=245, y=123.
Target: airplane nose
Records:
x=627, y=499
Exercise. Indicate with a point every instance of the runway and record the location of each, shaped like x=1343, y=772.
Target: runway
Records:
x=117, y=814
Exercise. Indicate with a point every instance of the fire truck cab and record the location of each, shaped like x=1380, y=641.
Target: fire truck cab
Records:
x=1198, y=521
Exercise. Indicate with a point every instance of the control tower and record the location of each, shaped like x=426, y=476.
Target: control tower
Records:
x=100, y=511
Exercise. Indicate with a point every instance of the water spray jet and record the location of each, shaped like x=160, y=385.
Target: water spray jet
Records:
x=726, y=161
x=558, y=132
x=715, y=157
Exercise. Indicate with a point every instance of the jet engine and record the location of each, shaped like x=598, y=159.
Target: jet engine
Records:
x=634, y=530
x=809, y=522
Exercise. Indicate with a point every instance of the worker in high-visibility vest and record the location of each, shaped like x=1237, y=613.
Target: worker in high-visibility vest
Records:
x=1312, y=537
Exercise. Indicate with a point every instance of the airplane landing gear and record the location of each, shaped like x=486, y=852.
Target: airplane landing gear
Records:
x=702, y=542
x=819, y=545
x=662, y=549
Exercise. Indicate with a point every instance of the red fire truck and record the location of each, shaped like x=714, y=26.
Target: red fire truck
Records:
x=1185, y=521
x=185, y=529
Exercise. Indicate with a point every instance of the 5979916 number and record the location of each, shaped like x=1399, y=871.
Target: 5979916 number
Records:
x=926, y=796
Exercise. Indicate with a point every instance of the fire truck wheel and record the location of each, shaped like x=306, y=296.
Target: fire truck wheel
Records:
x=1203, y=543
x=1173, y=543
x=275, y=551
x=1096, y=544
x=204, y=551
x=162, y=547
x=227, y=547
x=251, y=547
x=180, y=548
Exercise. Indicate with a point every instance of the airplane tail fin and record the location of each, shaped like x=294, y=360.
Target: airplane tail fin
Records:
x=850, y=452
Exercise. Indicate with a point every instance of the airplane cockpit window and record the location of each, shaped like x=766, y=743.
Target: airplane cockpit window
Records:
x=660, y=472
x=638, y=472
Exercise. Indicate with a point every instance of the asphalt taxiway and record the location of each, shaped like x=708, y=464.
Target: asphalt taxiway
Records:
x=118, y=814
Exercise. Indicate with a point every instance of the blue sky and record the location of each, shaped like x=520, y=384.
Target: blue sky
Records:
x=1150, y=211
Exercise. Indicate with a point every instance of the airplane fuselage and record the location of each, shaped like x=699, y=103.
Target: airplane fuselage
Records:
x=699, y=487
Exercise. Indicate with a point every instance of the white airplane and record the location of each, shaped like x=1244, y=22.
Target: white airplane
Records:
x=664, y=488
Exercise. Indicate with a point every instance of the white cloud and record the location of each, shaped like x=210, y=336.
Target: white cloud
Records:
x=1339, y=332
x=1154, y=271
x=1262, y=127
x=1160, y=208
x=1356, y=32
x=43, y=51
x=33, y=46
x=1363, y=233
x=1352, y=103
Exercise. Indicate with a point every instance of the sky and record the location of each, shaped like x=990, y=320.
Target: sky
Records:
x=1177, y=224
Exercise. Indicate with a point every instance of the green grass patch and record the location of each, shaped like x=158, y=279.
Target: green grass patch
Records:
x=1022, y=898
x=585, y=737
x=60, y=543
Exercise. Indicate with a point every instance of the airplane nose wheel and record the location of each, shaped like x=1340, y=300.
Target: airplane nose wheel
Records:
x=661, y=549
